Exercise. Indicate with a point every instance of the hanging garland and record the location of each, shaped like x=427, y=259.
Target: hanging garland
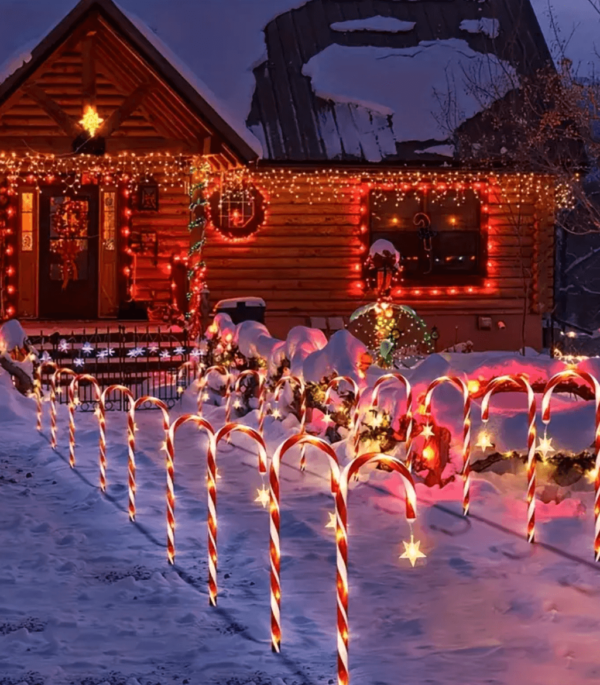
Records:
x=70, y=224
x=197, y=266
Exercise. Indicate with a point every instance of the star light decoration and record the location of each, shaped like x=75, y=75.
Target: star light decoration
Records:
x=46, y=357
x=484, y=441
x=63, y=346
x=87, y=348
x=91, y=121
x=332, y=520
x=427, y=431
x=153, y=349
x=179, y=351
x=79, y=362
x=412, y=551
x=545, y=446
x=195, y=353
x=262, y=496
x=165, y=354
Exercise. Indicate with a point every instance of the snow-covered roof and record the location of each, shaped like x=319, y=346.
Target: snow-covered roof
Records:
x=315, y=79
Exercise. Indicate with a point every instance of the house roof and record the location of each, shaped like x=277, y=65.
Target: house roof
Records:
x=312, y=80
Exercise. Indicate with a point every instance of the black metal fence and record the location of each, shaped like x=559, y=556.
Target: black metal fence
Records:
x=148, y=360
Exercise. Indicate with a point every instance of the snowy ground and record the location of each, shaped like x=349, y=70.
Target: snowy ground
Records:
x=87, y=598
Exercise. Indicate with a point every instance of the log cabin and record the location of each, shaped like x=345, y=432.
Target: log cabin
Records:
x=152, y=153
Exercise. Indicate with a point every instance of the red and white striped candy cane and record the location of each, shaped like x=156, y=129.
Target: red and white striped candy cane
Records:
x=39, y=392
x=275, y=545
x=572, y=374
x=211, y=484
x=191, y=365
x=341, y=500
x=56, y=376
x=377, y=388
x=229, y=428
x=466, y=446
x=237, y=387
x=131, y=466
x=73, y=401
x=519, y=383
x=102, y=421
x=299, y=383
x=333, y=386
x=202, y=391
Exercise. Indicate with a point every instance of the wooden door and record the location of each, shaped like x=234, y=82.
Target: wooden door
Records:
x=69, y=253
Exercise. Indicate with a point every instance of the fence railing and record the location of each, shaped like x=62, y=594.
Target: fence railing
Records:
x=149, y=360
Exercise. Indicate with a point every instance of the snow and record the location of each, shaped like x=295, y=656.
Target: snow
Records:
x=377, y=23
x=247, y=337
x=381, y=246
x=490, y=27
x=88, y=597
x=12, y=335
x=363, y=74
x=343, y=355
x=233, y=302
x=445, y=150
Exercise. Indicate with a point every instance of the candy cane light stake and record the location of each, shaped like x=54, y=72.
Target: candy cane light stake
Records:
x=203, y=392
x=237, y=387
x=399, y=378
x=56, y=376
x=466, y=446
x=73, y=401
x=229, y=428
x=126, y=393
x=275, y=545
x=38, y=389
x=131, y=431
x=299, y=383
x=341, y=499
x=571, y=374
x=211, y=481
x=519, y=383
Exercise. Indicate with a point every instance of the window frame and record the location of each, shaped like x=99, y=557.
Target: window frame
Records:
x=435, y=280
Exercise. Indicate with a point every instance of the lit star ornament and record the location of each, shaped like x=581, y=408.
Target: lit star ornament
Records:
x=427, y=431
x=332, y=521
x=262, y=496
x=484, y=441
x=412, y=551
x=91, y=121
x=545, y=447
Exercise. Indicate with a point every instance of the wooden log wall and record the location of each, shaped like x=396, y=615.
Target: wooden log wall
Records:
x=306, y=259
x=170, y=223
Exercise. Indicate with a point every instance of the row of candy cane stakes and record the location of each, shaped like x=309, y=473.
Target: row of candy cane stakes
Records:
x=339, y=484
x=339, y=487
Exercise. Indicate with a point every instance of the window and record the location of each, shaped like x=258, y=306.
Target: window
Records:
x=439, y=236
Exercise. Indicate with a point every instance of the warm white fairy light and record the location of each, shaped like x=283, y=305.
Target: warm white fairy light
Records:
x=262, y=496
x=483, y=441
x=412, y=551
x=427, y=431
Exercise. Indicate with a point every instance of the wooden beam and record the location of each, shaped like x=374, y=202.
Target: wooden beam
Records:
x=54, y=110
x=88, y=49
x=132, y=102
x=62, y=145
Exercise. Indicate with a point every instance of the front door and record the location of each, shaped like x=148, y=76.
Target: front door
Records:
x=69, y=253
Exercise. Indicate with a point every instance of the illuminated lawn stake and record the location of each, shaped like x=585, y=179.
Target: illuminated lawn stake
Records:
x=237, y=387
x=398, y=377
x=202, y=385
x=519, y=383
x=275, y=545
x=54, y=378
x=102, y=422
x=299, y=383
x=39, y=395
x=73, y=401
x=333, y=386
x=567, y=375
x=341, y=499
x=463, y=387
x=131, y=431
x=211, y=484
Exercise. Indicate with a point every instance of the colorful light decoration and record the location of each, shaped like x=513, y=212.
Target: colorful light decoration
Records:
x=203, y=392
x=572, y=374
x=211, y=481
x=399, y=378
x=131, y=466
x=301, y=387
x=91, y=121
x=463, y=387
x=519, y=383
x=126, y=393
x=275, y=544
x=56, y=376
x=73, y=401
x=51, y=366
x=341, y=500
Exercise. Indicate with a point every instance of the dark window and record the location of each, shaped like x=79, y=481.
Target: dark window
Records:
x=438, y=236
